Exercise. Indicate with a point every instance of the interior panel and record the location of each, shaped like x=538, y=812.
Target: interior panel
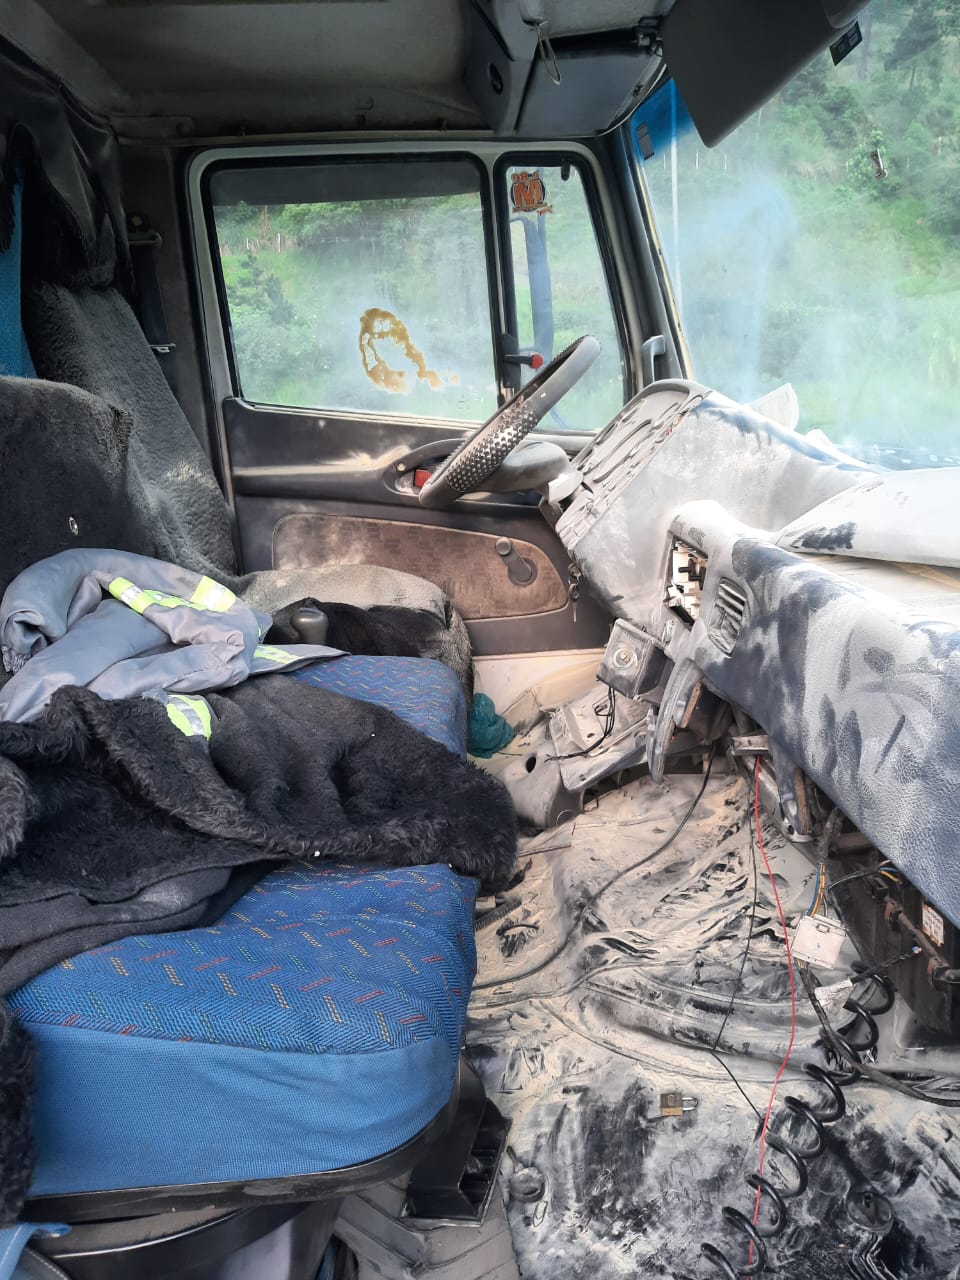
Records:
x=466, y=564
x=580, y=624
x=321, y=488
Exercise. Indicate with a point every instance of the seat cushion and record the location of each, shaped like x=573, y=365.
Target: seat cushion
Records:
x=316, y=1026
x=424, y=693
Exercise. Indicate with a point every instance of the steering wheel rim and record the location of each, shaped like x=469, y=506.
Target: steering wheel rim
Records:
x=479, y=456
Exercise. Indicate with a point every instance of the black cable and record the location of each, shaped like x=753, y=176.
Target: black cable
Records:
x=861, y=975
x=843, y=1052
x=829, y=898
x=595, y=897
x=740, y=1089
x=610, y=716
x=860, y=875
x=743, y=964
x=598, y=893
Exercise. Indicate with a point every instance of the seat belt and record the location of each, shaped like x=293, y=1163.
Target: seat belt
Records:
x=13, y=1241
x=144, y=246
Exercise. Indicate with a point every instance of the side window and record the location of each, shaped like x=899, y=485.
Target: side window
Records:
x=559, y=285
x=358, y=286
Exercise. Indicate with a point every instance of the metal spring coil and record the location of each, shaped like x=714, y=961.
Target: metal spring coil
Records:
x=797, y=1157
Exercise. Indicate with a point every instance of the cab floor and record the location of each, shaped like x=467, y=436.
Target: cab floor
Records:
x=638, y=961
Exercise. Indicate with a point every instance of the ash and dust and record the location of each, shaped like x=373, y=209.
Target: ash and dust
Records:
x=591, y=1002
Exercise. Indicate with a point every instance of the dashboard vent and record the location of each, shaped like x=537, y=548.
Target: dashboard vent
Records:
x=729, y=611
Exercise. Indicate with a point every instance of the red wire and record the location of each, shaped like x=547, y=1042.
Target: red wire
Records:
x=793, y=993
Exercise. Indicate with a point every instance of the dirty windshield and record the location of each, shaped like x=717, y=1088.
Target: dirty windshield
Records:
x=819, y=244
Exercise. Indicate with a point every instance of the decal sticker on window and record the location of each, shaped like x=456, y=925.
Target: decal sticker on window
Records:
x=932, y=924
x=529, y=193
x=377, y=326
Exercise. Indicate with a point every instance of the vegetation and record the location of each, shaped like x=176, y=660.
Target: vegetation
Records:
x=797, y=261
x=300, y=276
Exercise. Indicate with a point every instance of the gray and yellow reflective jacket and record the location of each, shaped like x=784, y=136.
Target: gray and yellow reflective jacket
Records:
x=124, y=625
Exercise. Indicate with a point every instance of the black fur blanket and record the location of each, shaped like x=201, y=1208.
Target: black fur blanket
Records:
x=386, y=631
x=100, y=801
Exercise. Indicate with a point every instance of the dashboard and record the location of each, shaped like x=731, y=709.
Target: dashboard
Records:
x=851, y=666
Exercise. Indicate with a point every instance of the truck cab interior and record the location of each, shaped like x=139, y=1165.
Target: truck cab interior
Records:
x=377, y=315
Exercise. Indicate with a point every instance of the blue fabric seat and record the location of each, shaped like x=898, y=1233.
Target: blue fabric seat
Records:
x=424, y=693
x=316, y=1026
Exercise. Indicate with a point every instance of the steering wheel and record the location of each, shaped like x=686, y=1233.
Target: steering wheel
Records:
x=481, y=454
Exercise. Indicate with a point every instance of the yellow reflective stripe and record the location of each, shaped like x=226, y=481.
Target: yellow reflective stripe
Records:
x=190, y=715
x=270, y=653
x=169, y=602
x=213, y=596
x=130, y=595
x=178, y=719
x=201, y=708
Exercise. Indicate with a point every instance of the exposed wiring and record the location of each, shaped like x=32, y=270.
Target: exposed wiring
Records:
x=835, y=1041
x=854, y=1060
x=609, y=714
x=793, y=994
x=823, y=889
x=713, y=1050
x=595, y=897
x=819, y=891
x=740, y=1089
x=743, y=964
x=880, y=869
x=861, y=975
x=644, y=1059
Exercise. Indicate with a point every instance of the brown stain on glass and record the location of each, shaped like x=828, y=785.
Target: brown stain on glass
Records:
x=378, y=325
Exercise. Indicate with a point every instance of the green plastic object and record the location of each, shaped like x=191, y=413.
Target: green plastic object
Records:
x=487, y=732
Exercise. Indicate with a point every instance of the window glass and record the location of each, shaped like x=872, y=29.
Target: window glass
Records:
x=560, y=287
x=359, y=286
x=818, y=244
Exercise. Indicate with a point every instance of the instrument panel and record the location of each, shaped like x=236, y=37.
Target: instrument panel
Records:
x=851, y=667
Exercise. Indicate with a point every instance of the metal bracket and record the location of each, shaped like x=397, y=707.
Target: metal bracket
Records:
x=648, y=36
x=750, y=744
x=587, y=749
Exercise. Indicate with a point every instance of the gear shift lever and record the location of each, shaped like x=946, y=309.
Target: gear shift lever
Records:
x=311, y=624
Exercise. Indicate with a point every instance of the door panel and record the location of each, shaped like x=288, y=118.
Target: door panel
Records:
x=326, y=489
x=271, y=528
x=466, y=564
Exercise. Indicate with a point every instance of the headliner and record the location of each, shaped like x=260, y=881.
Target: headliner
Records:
x=231, y=66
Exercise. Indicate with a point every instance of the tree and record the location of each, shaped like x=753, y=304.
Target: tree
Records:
x=261, y=291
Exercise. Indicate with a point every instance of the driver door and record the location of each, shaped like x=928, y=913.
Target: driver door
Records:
x=373, y=308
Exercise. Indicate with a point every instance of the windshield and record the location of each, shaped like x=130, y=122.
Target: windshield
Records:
x=818, y=243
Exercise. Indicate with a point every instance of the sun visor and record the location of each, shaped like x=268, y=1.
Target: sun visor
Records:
x=729, y=57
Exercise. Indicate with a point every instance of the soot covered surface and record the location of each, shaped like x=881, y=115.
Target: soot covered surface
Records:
x=589, y=1006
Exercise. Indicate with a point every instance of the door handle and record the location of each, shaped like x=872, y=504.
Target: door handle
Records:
x=653, y=347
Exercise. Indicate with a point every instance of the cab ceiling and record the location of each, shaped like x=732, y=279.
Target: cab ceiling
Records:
x=227, y=66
